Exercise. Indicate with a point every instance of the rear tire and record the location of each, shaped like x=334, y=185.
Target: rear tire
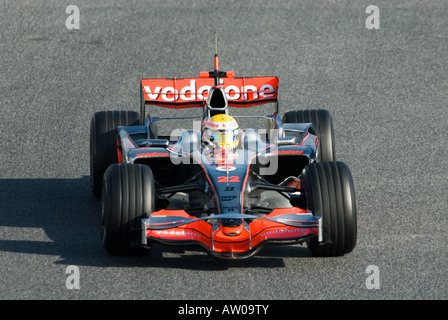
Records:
x=127, y=198
x=103, y=143
x=323, y=124
x=330, y=194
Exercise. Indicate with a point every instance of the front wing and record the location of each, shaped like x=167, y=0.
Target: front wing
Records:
x=284, y=226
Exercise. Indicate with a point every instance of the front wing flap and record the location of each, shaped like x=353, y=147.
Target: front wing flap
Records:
x=287, y=225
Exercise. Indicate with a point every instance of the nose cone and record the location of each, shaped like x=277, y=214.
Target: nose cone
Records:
x=231, y=238
x=232, y=227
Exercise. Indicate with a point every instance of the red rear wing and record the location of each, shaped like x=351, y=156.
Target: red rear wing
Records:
x=193, y=92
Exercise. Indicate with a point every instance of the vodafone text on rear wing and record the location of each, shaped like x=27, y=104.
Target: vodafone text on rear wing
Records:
x=193, y=92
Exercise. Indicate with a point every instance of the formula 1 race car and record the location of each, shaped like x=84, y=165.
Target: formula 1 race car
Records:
x=228, y=188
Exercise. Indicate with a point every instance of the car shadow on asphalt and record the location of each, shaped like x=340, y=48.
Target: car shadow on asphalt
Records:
x=60, y=217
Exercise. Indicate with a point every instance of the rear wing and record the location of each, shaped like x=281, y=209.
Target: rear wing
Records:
x=180, y=93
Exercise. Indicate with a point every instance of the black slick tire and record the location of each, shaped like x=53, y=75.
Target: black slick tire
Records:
x=329, y=191
x=127, y=198
x=103, y=143
x=323, y=124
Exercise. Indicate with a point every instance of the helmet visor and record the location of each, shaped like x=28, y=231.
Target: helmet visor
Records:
x=224, y=138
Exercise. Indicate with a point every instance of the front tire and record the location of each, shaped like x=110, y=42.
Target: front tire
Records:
x=127, y=198
x=329, y=191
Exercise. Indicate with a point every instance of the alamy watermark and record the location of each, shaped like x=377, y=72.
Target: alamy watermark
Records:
x=373, y=20
x=195, y=150
x=72, y=21
x=373, y=280
x=73, y=280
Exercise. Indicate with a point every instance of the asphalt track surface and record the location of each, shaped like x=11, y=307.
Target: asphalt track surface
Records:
x=387, y=90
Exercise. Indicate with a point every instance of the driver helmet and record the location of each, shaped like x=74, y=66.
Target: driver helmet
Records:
x=221, y=130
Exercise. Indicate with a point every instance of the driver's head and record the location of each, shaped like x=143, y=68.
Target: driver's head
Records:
x=222, y=130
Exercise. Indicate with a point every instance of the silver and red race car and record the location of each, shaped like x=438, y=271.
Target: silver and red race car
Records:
x=227, y=187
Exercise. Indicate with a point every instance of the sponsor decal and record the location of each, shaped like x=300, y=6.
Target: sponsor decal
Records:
x=230, y=209
x=287, y=152
x=225, y=168
x=194, y=89
x=283, y=231
x=228, y=198
x=177, y=233
x=153, y=154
